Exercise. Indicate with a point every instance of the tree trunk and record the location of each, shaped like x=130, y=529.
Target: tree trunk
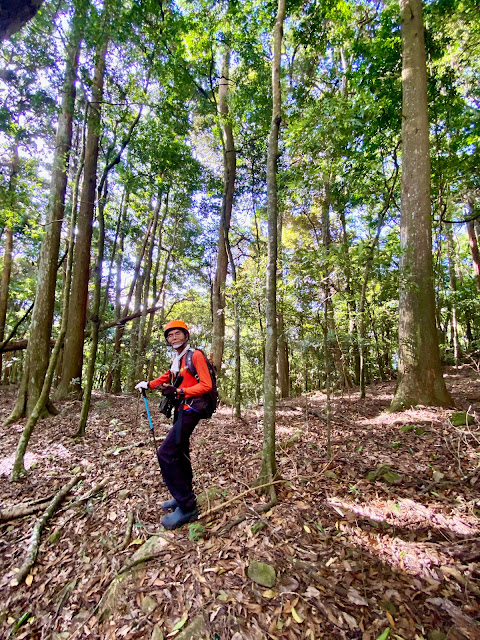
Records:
x=452, y=277
x=283, y=365
x=142, y=328
x=5, y=283
x=8, y=252
x=269, y=466
x=77, y=311
x=351, y=304
x=473, y=242
x=95, y=314
x=18, y=468
x=38, y=350
x=229, y=172
x=115, y=371
x=131, y=376
x=420, y=373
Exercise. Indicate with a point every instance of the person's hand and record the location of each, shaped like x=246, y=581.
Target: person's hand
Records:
x=141, y=385
x=169, y=390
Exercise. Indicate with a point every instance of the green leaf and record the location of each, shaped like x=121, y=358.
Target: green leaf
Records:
x=385, y=634
x=178, y=626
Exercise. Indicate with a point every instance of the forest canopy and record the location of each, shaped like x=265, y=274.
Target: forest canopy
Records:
x=136, y=134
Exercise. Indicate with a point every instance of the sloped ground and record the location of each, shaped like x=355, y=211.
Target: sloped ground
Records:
x=353, y=557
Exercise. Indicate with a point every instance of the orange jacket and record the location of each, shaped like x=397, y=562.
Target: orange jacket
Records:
x=189, y=384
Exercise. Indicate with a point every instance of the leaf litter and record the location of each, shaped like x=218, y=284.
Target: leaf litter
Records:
x=354, y=557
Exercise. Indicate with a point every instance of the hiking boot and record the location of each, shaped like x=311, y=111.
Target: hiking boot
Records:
x=178, y=517
x=169, y=505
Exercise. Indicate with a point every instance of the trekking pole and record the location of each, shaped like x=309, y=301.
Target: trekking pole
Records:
x=144, y=394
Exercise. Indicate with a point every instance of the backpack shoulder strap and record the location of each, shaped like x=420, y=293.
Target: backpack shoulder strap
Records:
x=189, y=363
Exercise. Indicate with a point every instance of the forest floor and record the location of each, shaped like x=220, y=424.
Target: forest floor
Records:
x=393, y=556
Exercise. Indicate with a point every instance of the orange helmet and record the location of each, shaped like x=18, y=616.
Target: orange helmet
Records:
x=176, y=324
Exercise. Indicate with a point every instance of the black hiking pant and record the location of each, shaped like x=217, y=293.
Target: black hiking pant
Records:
x=174, y=459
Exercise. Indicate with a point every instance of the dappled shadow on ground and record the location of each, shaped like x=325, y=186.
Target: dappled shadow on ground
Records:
x=354, y=553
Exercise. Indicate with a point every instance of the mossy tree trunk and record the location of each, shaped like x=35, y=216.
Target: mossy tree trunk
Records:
x=74, y=340
x=38, y=350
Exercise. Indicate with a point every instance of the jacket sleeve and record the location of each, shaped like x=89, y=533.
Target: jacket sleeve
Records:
x=205, y=381
x=163, y=379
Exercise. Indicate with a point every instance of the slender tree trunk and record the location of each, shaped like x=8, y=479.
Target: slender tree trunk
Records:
x=131, y=377
x=328, y=368
x=73, y=353
x=351, y=305
x=121, y=329
x=269, y=466
x=5, y=283
x=38, y=350
x=115, y=370
x=420, y=373
x=95, y=314
x=452, y=276
x=236, y=313
x=283, y=364
x=363, y=299
x=142, y=328
x=229, y=172
x=158, y=291
x=8, y=252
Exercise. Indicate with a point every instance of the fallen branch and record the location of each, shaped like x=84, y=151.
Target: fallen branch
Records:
x=37, y=530
x=260, y=509
x=20, y=510
x=116, y=450
x=446, y=483
x=240, y=495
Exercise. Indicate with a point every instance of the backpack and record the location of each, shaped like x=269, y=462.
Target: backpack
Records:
x=211, y=397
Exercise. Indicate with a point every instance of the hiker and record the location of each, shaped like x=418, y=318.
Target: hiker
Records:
x=187, y=391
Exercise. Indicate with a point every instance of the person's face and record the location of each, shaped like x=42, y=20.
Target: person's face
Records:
x=176, y=338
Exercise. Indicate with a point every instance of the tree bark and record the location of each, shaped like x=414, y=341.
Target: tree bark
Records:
x=15, y=15
x=5, y=284
x=77, y=311
x=229, y=173
x=18, y=468
x=142, y=328
x=269, y=466
x=8, y=252
x=114, y=373
x=283, y=364
x=95, y=313
x=420, y=373
x=38, y=350
x=452, y=277
x=473, y=242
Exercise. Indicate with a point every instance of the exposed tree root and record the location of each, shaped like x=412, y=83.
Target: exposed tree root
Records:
x=37, y=530
x=20, y=510
x=86, y=496
x=128, y=533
